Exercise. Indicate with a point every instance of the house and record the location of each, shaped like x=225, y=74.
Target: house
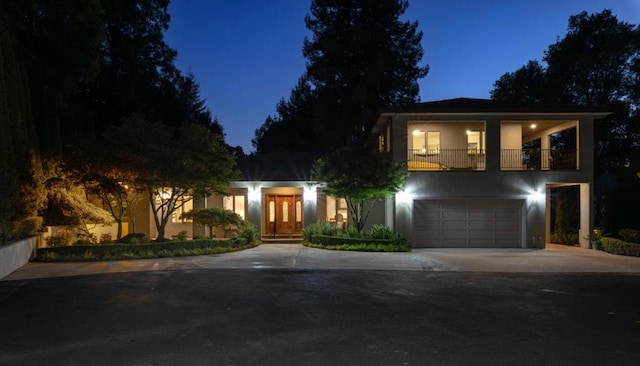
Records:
x=481, y=173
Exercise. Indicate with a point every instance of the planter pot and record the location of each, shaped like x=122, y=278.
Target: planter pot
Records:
x=595, y=245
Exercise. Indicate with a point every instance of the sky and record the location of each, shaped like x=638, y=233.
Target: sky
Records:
x=247, y=54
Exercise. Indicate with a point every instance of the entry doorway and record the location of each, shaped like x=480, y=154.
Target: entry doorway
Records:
x=284, y=215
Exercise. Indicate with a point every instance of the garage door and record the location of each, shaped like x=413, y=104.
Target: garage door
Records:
x=467, y=224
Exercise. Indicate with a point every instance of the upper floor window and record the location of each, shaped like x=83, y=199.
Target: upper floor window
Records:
x=433, y=142
x=426, y=142
x=475, y=142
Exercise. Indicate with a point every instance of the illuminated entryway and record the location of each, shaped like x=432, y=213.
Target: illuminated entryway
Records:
x=284, y=214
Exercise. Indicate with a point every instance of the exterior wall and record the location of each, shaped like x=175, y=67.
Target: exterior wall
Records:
x=17, y=254
x=494, y=183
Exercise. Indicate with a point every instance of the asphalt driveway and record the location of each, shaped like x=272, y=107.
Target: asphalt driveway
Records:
x=555, y=259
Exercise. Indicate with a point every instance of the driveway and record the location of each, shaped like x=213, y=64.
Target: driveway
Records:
x=555, y=258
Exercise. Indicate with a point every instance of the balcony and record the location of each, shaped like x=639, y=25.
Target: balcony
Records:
x=538, y=159
x=446, y=160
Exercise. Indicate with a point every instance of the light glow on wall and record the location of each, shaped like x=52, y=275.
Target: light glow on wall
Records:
x=536, y=196
x=254, y=194
x=310, y=193
x=404, y=197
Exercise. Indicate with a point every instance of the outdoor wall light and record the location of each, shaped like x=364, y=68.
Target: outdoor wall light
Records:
x=310, y=193
x=254, y=194
x=404, y=197
x=536, y=196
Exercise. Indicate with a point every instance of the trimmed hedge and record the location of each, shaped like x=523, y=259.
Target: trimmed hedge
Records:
x=629, y=235
x=343, y=240
x=139, y=251
x=361, y=247
x=617, y=246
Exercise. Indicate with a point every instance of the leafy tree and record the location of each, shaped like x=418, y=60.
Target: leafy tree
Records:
x=361, y=177
x=212, y=217
x=70, y=206
x=175, y=165
x=596, y=64
x=361, y=57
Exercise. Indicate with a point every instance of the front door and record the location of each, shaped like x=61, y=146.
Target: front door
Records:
x=284, y=214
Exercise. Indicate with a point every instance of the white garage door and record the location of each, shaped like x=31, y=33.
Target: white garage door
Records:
x=467, y=223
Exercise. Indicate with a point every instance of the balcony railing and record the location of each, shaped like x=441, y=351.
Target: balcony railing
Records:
x=475, y=160
x=538, y=159
x=446, y=159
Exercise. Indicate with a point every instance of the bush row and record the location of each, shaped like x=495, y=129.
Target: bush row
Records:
x=150, y=250
x=617, y=246
x=629, y=235
x=342, y=240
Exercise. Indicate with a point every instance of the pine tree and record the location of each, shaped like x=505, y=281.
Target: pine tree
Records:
x=361, y=57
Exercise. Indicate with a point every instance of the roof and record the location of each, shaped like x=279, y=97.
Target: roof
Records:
x=472, y=105
x=278, y=166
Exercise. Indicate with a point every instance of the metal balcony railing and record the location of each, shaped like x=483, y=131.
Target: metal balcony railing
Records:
x=538, y=159
x=446, y=159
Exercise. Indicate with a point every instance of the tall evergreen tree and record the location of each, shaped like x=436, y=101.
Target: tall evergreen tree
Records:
x=361, y=57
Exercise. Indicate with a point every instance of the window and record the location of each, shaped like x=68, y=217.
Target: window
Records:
x=176, y=216
x=235, y=204
x=433, y=142
x=419, y=140
x=336, y=206
x=475, y=142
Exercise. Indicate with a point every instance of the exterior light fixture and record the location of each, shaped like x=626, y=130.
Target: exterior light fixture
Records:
x=533, y=125
x=536, y=196
x=404, y=197
x=254, y=194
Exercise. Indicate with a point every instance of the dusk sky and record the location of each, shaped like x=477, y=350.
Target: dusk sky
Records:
x=247, y=54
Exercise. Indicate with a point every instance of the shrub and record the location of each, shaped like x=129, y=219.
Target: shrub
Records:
x=629, y=235
x=15, y=230
x=106, y=239
x=565, y=237
x=61, y=238
x=380, y=232
x=127, y=239
x=352, y=232
x=319, y=228
x=617, y=246
x=247, y=234
x=181, y=235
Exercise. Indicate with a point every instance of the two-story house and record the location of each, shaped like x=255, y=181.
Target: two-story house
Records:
x=481, y=173
x=481, y=170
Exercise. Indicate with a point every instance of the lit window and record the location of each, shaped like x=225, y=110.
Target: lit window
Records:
x=235, y=204
x=433, y=142
x=336, y=206
x=475, y=142
x=298, y=211
x=186, y=207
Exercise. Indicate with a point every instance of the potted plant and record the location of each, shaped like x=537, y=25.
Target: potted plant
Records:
x=595, y=238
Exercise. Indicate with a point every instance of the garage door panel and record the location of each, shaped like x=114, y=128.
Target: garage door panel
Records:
x=468, y=223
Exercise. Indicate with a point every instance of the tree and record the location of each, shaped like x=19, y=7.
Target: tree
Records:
x=212, y=217
x=361, y=177
x=175, y=164
x=596, y=64
x=361, y=57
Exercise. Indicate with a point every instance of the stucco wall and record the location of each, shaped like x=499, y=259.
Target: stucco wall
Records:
x=17, y=254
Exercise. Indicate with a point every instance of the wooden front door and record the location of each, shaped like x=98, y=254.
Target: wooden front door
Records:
x=284, y=214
